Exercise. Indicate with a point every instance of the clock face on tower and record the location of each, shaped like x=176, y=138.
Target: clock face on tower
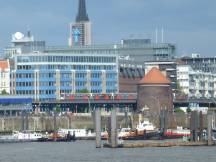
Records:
x=76, y=34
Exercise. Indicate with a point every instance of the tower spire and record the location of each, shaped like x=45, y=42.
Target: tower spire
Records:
x=82, y=14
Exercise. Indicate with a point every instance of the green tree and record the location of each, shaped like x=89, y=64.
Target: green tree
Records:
x=57, y=108
x=189, y=110
x=178, y=110
x=83, y=91
x=4, y=92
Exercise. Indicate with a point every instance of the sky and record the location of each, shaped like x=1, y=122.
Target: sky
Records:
x=189, y=24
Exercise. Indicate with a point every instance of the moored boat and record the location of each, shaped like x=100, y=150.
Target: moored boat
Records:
x=176, y=133
x=26, y=136
x=144, y=130
x=79, y=134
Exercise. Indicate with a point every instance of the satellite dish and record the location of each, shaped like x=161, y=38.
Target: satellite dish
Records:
x=18, y=35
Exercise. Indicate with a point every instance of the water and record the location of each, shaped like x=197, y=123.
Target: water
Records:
x=85, y=151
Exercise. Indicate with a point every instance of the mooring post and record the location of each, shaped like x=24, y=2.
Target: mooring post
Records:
x=97, y=123
x=54, y=121
x=22, y=121
x=200, y=126
x=209, y=119
x=162, y=121
x=194, y=125
x=196, y=121
x=26, y=121
x=166, y=117
x=114, y=135
x=126, y=117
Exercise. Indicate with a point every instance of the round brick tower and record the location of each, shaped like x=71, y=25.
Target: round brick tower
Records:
x=154, y=91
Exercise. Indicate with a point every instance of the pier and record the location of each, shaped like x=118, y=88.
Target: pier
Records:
x=160, y=144
x=196, y=139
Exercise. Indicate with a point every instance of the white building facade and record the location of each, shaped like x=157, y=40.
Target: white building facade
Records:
x=4, y=76
x=196, y=84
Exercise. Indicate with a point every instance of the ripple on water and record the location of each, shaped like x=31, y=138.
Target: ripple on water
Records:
x=85, y=151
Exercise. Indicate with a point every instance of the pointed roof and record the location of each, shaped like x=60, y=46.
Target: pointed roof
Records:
x=82, y=14
x=4, y=64
x=154, y=76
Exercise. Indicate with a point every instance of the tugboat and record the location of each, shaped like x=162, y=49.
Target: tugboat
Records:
x=144, y=130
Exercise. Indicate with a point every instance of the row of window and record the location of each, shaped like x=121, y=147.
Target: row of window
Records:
x=51, y=92
x=66, y=67
x=93, y=59
x=66, y=75
x=31, y=84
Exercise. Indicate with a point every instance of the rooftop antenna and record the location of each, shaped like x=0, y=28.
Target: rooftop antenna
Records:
x=28, y=32
x=156, y=35
x=162, y=35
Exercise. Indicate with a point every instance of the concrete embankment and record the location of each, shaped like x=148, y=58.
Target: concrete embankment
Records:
x=160, y=144
x=46, y=123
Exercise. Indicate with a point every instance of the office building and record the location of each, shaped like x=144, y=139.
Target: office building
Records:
x=196, y=84
x=21, y=44
x=198, y=63
x=45, y=76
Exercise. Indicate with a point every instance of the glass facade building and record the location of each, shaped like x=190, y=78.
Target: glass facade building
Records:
x=135, y=50
x=45, y=76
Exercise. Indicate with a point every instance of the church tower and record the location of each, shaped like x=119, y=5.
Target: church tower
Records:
x=80, y=30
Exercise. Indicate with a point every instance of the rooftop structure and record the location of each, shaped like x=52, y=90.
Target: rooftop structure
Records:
x=82, y=14
x=140, y=52
x=198, y=63
x=4, y=65
x=154, y=76
x=168, y=68
x=21, y=44
x=80, y=30
x=154, y=92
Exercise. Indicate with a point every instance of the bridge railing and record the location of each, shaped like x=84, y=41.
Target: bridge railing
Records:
x=92, y=96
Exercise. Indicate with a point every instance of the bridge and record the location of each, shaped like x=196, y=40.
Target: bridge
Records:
x=121, y=100
x=89, y=101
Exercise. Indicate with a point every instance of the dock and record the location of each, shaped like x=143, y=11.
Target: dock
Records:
x=160, y=144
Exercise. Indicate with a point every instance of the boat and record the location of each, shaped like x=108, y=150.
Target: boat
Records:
x=214, y=134
x=26, y=136
x=144, y=130
x=79, y=134
x=124, y=132
x=57, y=137
x=145, y=125
x=176, y=133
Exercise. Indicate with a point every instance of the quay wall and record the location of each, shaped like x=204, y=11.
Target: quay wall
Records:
x=46, y=123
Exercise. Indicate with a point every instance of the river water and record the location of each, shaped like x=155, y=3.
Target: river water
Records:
x=85, y=151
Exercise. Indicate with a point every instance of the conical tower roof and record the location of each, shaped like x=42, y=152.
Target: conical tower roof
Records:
x=82, y=14
x=154, y=76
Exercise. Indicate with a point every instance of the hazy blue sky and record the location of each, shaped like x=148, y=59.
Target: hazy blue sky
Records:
x=190, y=24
